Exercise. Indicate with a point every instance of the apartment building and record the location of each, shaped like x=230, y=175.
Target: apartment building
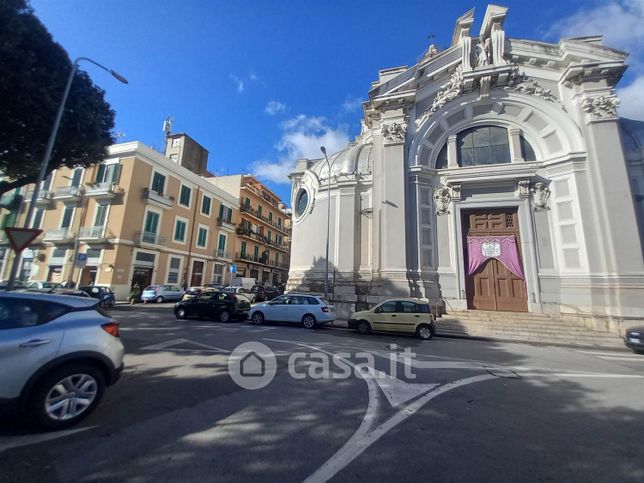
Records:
x=137, y=217
x=262, y=247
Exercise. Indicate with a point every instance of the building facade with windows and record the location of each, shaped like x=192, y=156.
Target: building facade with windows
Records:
x=262, y=249
x=136, y=217
x=493, y=175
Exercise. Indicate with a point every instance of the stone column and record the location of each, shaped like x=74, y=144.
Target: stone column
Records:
x=393, y=179
x=515, y=145
x=452, y=152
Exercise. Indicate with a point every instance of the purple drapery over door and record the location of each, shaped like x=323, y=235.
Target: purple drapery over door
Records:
x=503, y=248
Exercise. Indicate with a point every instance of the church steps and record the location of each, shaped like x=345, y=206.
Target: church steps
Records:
x=556, y=332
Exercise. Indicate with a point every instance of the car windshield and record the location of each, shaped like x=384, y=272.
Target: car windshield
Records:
x=151, y=287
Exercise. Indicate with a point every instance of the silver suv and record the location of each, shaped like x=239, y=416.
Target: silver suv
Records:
x=58, y=353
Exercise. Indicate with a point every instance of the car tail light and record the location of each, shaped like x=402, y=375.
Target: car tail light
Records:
x=111, y=328
x=325, y=309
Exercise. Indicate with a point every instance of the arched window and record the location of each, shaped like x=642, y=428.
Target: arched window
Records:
x=484, y=145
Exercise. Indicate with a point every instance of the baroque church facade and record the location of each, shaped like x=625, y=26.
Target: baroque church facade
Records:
x=493, y=175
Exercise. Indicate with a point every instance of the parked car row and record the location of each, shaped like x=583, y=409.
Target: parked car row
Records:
x=410, y=316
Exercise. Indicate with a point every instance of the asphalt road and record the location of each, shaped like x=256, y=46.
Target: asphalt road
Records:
x=460, y=410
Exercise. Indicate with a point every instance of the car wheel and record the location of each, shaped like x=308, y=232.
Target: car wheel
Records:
x=363, y=327
x=159, y=299
x=257, y=318
x=424, y=331
x=180, y=313
x=224, y=316
x=308, y=321
x=66, y=395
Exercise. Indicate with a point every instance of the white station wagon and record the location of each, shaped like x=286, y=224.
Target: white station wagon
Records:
x=304, y=309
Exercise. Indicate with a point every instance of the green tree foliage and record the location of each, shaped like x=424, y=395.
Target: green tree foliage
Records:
x=34, y=70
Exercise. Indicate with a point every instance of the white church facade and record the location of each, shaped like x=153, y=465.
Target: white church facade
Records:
x=494, y=175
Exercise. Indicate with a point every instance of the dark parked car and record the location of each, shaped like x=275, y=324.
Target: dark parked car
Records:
x=264, y=293
x=218, y=305
x=634, y=339
x=69, y=291
x=102, y=293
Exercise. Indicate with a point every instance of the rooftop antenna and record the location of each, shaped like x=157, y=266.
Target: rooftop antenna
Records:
x=167, y=129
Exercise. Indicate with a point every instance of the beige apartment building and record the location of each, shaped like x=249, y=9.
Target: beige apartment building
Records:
x=137, y=217
x=262, y=248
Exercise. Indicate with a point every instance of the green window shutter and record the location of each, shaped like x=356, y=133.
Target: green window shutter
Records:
x=151, y=222
x=222, y=242
x=116, y=174
x=221, y=212
x=100, y=174
x=243, y=248
x=100, y=215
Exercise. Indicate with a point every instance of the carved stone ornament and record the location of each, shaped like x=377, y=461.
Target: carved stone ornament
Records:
x=539, y=196
x=600, y=107
x=442, y=199
x=518, y=81
x=451, y=90
x=394, y=133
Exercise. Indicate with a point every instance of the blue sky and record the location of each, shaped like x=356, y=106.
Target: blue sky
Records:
x=261, y=83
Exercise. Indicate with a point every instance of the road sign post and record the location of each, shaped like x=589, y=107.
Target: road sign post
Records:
x=19, y=239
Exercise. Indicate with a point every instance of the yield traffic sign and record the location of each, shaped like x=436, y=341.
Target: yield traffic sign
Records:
x=20, y=238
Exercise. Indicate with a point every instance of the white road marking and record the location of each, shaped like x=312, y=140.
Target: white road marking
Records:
x=175, y=342
x=398, y=392
x=29, y=439
x=607, y=353
x=357, y=445
x=618, y=358
x=581, y=374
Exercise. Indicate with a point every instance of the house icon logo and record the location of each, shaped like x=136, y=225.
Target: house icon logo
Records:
x=252, y=365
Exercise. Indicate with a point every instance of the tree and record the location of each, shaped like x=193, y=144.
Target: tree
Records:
x=34, y=71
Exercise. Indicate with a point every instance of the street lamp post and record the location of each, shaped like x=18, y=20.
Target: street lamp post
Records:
x=328, y=221
x=50, y=146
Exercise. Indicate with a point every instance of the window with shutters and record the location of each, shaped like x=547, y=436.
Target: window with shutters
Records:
x=206, y=204
x=37, y=221
x=158, y=183
x=225, y=213
x=66, y=222
x=184, y=196
x=174, y=270
x=108, y=173
x=180, y=229
x=243, y=249
x=202, y=236
x=77, y=177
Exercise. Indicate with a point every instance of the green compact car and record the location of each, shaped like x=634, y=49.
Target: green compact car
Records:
x=411, y=316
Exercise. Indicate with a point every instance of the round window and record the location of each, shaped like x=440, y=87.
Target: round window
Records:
x=301, y=202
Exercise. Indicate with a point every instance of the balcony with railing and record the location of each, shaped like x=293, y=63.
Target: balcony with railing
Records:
x=45, y=198
x=250, y=234
x=103, y=191
x=255, y=214
x=223, y=254
x=68, y=194
x=226, y=223
x=95, y=235
x=157, y=199
x=59, y=236
x=149, y=238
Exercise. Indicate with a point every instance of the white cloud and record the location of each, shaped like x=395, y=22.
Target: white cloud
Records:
x=273, y=107
x=632, y=99
x=352, y=104
x=302, y=137
x=239, y=83
x=619, y=21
